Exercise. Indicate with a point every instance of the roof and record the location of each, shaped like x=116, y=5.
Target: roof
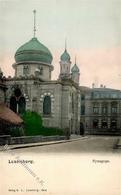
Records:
x=105, y=89
x=33, y=50
x=6, y=114
x=65, y=56
x=75, y=69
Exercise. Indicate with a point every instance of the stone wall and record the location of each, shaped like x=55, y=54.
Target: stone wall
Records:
x=28, y=139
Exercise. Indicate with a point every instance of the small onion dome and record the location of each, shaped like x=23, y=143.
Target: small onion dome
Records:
x=33, y=50
x=65, y=56
x=75, y=69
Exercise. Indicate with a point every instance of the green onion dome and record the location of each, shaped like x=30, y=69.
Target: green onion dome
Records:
x=75, y=69
x=33, y=50
x=65, y=56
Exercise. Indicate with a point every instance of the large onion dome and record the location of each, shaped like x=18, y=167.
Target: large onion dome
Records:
x=33, y=50
x=65, y=56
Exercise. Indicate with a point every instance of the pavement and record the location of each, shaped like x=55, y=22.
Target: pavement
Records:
x=18, y=146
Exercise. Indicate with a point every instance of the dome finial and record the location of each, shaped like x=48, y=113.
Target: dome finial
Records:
x=34, y=11
x=65, y=44
x=75, y=59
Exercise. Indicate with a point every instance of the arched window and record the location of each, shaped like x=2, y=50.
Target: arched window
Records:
x=17, y=102
x=13, y=104
x=47, y=105
x=26, y=70
x=21, y=105
x=82, y=109
x=82, y=97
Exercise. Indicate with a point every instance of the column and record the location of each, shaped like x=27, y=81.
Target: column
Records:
x=109, y=122
x=100, y=123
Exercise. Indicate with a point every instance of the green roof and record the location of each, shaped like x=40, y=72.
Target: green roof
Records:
x=75, y=69
x=33, y=50
x=65, y=56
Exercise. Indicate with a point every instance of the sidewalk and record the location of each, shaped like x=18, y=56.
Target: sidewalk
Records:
x=17, y=146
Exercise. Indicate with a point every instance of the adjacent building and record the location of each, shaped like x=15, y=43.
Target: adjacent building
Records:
x=8, y=119
x=100, y=110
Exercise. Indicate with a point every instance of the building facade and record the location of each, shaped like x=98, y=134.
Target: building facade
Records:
x=58, y=102
x=101, y=110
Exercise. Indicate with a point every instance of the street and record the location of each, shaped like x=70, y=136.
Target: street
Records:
x=88, y=164
x=87, y=144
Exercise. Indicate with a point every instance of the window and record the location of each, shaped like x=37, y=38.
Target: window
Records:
x=72, y=103
x=82, y=109
x=26, y=70
x=104, y=124
x=95, y=123
x=82, y=97
x=47, y=105
x=104, y=110
x=41, y=70
x=114, y=110
x=114, y=95
x=95, y=110
x=113, y=124
x=18, y=102
x=114, y=107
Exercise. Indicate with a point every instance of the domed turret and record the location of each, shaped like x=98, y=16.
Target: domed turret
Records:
x=75, y=69
x=65, y=57
x=33, y=50
x=75, y=73
x=65, y=64
x=33, y=59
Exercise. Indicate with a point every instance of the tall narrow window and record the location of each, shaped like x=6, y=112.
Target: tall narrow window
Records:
x=113, y=107
x=21, y=105
x=41, y=70
x=47, y=105
x=96, y=110
x=82, y=109
x=82, y=97
x=95, y=123
x=26, y=70
x=104, y=110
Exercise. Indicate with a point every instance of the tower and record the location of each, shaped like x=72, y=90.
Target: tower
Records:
x=75, y=73
x=33, y=59
x=65, y=64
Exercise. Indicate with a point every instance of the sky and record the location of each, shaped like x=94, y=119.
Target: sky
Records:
x=92, y=29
